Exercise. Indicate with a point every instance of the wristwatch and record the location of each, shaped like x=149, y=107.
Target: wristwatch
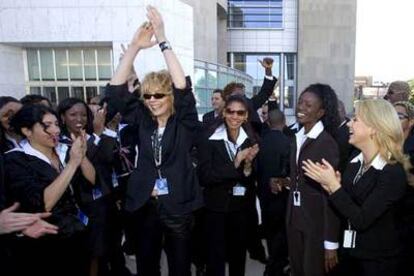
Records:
x=165, y=45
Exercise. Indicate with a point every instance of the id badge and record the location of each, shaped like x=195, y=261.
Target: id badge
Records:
x=161, y=185
x=83, y=218
x=115, y=182
x=296, y=198
x=239, y=190
x=96, y=193
x=349, y=239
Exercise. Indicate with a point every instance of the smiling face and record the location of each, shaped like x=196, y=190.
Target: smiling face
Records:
x=45, y=134
x=359, y=132
x=217, y=101
x=7, y=112
x=160, y=104
x=75, y=118
x=235, y=114
x=309, y=110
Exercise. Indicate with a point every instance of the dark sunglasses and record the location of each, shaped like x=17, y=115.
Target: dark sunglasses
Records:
x=238, y=112
x=156, y=96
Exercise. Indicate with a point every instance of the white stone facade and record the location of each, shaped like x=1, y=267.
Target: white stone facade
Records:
x=47, y=23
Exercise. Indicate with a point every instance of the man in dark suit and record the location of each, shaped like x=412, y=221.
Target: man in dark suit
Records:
x=273, y=161
x=217, y=102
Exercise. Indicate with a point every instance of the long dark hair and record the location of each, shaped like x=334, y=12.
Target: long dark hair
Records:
x=67, y=104
x=254, y=138
x=28, y=116
x=329, y=102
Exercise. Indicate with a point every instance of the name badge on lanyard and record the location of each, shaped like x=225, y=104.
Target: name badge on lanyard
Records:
x=296, y=198
x=239, y=190
x=349, y=237
x=161, y=183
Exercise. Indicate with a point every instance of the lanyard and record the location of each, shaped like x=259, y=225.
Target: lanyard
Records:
x=363, y=169
x=157, y=150
x=231, y=150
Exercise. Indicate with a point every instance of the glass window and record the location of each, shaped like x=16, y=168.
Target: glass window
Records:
x=46, y=63
x=212, y=79
x=61, y=62
x=289, y=66
x=33, y=64
x=90, y=64
x=77, y=92
x=35, y=90
x=200, y=77
x=251, y=66
x=289, y=96
x=75, y=64
x=91, y=91
x=50, y=93
x=63, y=93
x=255, y=14
x=104, y=64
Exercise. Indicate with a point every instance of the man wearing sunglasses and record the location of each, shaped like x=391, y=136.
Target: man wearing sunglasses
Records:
x=398, y=91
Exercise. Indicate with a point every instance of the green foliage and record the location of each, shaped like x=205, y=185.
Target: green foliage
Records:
x=411, y=83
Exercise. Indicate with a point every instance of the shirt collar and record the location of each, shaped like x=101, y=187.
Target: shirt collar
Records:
x=314, y=132
x=221, y=134
x=29, y=150
x=378, y=163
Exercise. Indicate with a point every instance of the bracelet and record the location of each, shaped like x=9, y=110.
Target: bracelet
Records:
x=165, y=45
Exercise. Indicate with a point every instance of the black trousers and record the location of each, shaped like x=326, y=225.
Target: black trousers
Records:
x=377, y=267
x=306, y=253
x=155, y=229
x=226, y=235
x=275, y=233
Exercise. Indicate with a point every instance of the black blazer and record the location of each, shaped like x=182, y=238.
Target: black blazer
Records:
x=272, y=161
x=208, y=117
x=315, y=213
x=177, y=142
x=218, y=176
x=26, y=178
x=370, y=205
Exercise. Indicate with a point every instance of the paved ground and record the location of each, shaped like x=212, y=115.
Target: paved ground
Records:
x=253, y=268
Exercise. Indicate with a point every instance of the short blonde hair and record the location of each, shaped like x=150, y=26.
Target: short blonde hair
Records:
x=158, y=82
x=381, y=116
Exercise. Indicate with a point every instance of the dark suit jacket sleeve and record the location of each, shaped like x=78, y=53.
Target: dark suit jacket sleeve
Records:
x=210, y=172
x=24, y=186
x=265, y=91
x=332, y=222
x=389, y=189
x=122, y=101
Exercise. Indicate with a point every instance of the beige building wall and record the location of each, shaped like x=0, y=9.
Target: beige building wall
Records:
x=209, y=29
x=326, y=45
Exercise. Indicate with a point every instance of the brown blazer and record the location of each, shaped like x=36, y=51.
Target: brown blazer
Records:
x=315, y=215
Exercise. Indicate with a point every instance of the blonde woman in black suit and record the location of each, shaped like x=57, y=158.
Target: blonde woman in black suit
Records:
x=368, y=193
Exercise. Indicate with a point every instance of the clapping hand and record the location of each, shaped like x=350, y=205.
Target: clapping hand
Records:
x=157, y=23
x=324, y=174
x=143, y=37
x=78, y=150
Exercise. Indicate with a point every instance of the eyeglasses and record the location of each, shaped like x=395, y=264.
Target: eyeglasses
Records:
x=156, y=96
x=402, y=116
x=238, y=112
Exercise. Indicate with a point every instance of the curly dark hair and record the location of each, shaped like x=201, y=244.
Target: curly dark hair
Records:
x=329, y=102
x=230, y=87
